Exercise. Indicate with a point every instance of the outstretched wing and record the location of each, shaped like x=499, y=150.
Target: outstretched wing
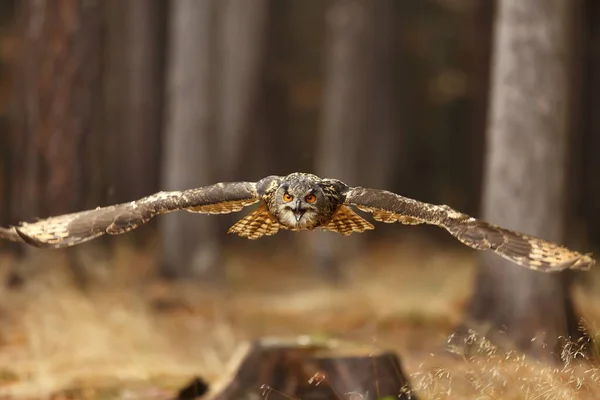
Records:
x=524, y=250
x=71, y=229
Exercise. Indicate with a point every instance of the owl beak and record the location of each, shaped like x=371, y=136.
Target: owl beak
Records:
x=298, y=212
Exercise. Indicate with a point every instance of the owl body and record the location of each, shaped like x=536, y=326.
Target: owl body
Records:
x=298, y=202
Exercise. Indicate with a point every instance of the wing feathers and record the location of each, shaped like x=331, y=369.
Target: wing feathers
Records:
x=71, y=229
x=345, y=221
x=527, y=251
x=390, y=207
x=524, y=250
x=221, y=198
x=258, y=223
x=223, y=208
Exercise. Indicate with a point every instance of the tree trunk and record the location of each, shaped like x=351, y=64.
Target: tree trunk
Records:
x=239, y=65
x=525, y=177
x=242, y=39
x=384, y=142
x=591, y=120
x=55, y=110
x=213, y=91
x=386, y=152
x=344, y=117
x=188, y=240
x=477, y=48
x=6, y=60
x=134, y=100
x=57, y=82
x=136, y=39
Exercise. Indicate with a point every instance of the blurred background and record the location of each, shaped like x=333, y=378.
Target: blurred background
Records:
x=487, y=106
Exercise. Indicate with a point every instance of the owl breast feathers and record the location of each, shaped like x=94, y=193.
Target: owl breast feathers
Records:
x=297, y=202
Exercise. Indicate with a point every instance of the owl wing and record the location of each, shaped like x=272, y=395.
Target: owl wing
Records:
x=71, y=229
x=527, y=251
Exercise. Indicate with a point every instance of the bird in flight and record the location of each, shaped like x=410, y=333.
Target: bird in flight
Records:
x=296, y=202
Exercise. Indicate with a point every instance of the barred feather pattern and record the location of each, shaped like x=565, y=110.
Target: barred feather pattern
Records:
x=528, y=251
x=525, y=250
x=345, y=221
x=79, y=227
x=330, y=212
x=257, y=224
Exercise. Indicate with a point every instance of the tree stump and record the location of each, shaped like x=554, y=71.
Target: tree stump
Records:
x=303, y=369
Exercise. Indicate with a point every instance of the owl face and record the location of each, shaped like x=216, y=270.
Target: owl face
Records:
x=300, y=204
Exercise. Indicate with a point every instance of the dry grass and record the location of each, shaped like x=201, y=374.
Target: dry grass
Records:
x=495, y=374
x=140, y=338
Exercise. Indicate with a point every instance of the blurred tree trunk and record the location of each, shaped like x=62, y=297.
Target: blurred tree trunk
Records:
x=383, y=141
x=214, y=83
x=477, y=48
x=55, y=99
x=188, y=241
x=239, y=65
x=591, y=120
x=5, y=182
x=525, y=179
x=344, y=119
x=55, y=111
x=135, y=85
x=242, y=40
x=6, y=61
x=4, y=179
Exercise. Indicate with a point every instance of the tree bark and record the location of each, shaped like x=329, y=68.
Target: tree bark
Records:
x=214, y=83
x=188, y=240
x=55, y=111
x=56, y=86
x=136, y=47
x=477, y=49
x=590, y=103
x=383, y=142
x=344, y=118
x=242, y=40
x=525, y=177
x=282, y=369
x=7, y=59
x=239, y=66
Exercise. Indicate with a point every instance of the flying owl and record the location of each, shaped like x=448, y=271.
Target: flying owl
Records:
x=297, y=202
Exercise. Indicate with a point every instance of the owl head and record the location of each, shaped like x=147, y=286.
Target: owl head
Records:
x=300, y=202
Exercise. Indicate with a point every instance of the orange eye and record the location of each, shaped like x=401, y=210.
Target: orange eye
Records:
x=288, y=197
x=311, y=198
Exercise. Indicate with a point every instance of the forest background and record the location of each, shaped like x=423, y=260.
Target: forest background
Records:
x=487, y=106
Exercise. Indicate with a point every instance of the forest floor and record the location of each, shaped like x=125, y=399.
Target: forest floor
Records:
x=130, y=336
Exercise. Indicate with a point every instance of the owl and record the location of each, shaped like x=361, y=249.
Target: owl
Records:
x=298, y=202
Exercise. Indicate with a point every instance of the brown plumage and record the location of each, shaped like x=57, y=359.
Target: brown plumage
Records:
x=297, y=202
x=258, y=223
x=527, y=251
